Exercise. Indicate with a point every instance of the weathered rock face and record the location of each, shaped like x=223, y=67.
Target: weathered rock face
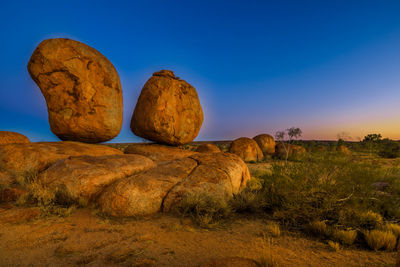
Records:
x=168, y=110
x=12, y=138
x=208, y=148
x=144, y=193
x=220, y=175
x=161, y=188
x=266, y=142
x=293, y=150
x=82, y=90
x=343, y=149
x=33, y=157
x=81, y=179
x=158, y=153
x=247, y=149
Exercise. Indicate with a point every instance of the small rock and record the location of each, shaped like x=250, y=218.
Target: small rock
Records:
x=247, y=149
x=12, y=138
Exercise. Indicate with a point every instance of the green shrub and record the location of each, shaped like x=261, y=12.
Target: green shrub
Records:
x=389, y=149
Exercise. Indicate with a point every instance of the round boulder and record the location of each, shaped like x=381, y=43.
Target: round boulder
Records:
x=266, y=142
x=208, y=148
x=247, y=149
x=283, y=150
x=82, y=90
x=168, y=110
x=12, y=138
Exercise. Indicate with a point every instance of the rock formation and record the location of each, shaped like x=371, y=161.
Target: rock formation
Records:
x=22, y=159
x=158, y=153
x=12, y=138
x=161, y=188
x=168, y=110
x=208, y=148
x=247, y=149
x=266, y=142
x=82, y=90
x=80, y=179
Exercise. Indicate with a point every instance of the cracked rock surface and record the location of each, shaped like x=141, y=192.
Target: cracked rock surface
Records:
x=80, y=179
x=82, y=90
x=168, y=110
x=20, y=159
x=163, y=187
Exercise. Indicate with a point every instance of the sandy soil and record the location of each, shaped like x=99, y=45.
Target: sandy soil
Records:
x=84, y=238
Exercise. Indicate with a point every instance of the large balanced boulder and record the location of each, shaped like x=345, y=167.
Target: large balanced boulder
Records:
x=82, y=90
x=266, y=142
x=22, y=159
x=12, y=138
x=208, y=148
x=163, y=187
x=80, y=179
x=247, y=149
x=157, y=152
x=168, y=110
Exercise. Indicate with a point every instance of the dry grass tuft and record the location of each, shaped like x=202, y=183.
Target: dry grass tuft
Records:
x=334, y=245
x=377, y=239
x=345, y=237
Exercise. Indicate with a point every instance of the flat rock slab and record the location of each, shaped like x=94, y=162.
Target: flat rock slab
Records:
x=158, y=153
x=80, y=179
x=163, y=187
x=19, y=159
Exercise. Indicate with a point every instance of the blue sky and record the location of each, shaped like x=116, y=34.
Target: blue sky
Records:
x=258, y=66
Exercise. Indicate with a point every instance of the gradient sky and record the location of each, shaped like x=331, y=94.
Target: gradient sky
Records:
x=258, y=66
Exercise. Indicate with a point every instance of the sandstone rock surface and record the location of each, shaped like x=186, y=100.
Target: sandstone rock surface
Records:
x=168, y=110
x=12, y=138
x=208, y=148
x=82, y=90
x=80, y=179
x=266, y=142
x=18, y=159
x=162, y=187
x=247, y=149
x=158, y=153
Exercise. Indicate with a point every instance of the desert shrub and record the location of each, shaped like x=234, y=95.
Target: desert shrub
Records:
x=334, y=245
x=330, y=188
x=345, y=237
x=389, y=149
x=319, y=229
x=273, y=229
x=267, y=258
x=248, y=202
x=377, y=239
x=392, y=227
x=205, y=210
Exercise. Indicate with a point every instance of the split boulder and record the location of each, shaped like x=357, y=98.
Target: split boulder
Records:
x=266, y=142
